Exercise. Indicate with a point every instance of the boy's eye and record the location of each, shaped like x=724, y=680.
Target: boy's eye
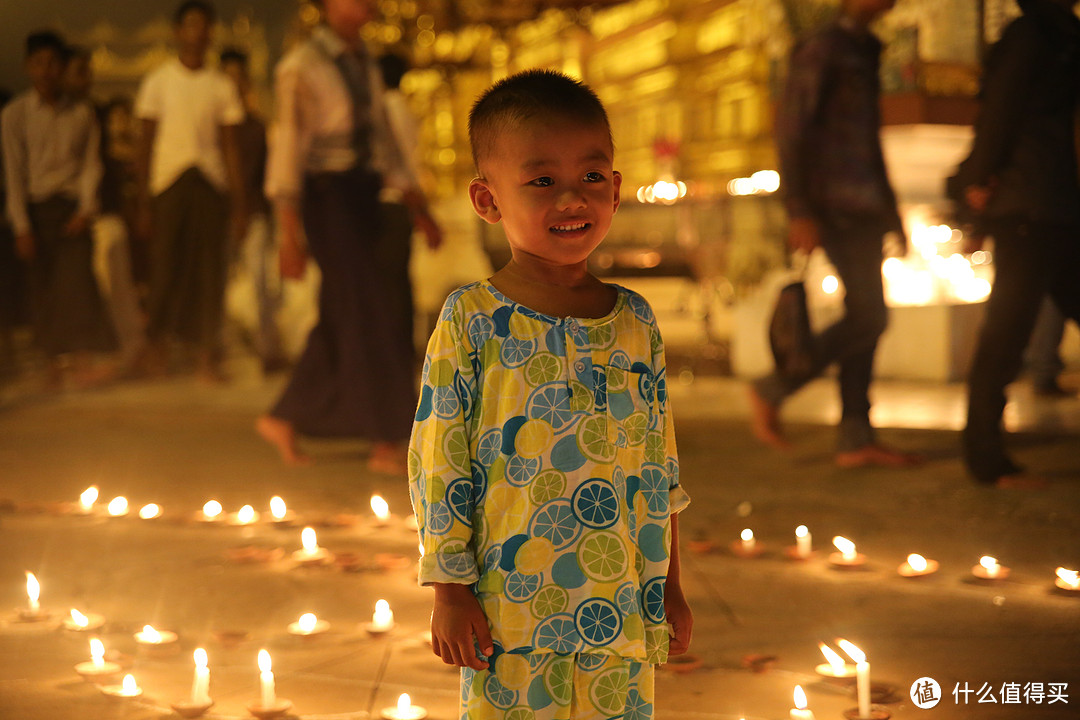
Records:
x=594, y=176
x=543, y=181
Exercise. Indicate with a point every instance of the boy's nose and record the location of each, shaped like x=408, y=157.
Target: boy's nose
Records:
x=571, y=200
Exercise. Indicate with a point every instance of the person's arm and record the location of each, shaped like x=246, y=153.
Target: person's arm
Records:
x=679, y=616
x=798, y=109
x=144, y=148
x=441, y=491
x=284, y=168
x=17, y=179
x=89, y=178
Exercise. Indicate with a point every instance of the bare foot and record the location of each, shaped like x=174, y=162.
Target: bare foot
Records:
x=389, y=459
x=877, y=456
x=281, y=435
x=765, y=422
x=1021, y=481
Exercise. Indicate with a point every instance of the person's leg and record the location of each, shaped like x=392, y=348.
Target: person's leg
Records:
x=209, y=236
x=1042, y=357
x=112, y=262
x=166, y=258
x=1019, y=285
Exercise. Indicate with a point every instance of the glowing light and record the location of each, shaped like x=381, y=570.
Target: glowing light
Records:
x=309, y=541
x=246, y=515
x=79, y=619
x=830, y=284
x=990, y=565
x=380, y=507
x=149, y=512
x=383, y=618
x=1071, y=578
x=747, y=535
x=833, y=658
x=88, y=497
x=307, y=622
x=212, y=510
x=802, y=531
x=766, y=181
x=917, y=562
x=97, y=652
x=150, y=635
x=264, y=662
x=118, y=506
x=799, y=697
x=852, y=650
x=278, y=508
x=129, y=686
x=201, y=660
x=846, y=548
x=974, y=290
x=33, y=592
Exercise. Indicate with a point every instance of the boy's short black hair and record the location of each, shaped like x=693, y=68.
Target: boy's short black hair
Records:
x=393, y=67
x=199, y=6
x=531, y=95
x=233, y=54
x=46, y=40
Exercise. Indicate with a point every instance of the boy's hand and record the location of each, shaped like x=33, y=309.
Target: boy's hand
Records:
x=455, y=621
x=679, y=617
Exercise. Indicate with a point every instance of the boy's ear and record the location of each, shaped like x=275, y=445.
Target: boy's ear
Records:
x=483, y=201
x=616, y=181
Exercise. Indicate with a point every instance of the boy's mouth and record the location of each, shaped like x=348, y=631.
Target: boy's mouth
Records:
x=571, y=227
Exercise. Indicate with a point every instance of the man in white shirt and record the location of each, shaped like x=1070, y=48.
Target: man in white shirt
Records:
x=189, y=181
x=52, y=169
x=332, y=153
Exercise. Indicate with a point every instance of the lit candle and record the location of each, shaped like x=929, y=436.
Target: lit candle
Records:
x=380, y=508
x=266, y=680
x=81, y=623
x=846, y=548
x=211, y=511
x=803, y=542
x=1067, y=579
x=278, y=509
x=862, y=676
x=799, y=712
x=97, y=668
x=200, y=686
x=87, y=499
x=310, y=541
x=748, y=541
x=118, y=506
x=129, y=688
x=97, y=653
x=834, y=665
x=308, y=624
x=149, y=512
x=154, y=638
x=917, y=566
x=33, y=594
x=382, y=620
x=404, y=710
x=246, y=515
x=990, y=565
x=78, y=619
x=917, y=562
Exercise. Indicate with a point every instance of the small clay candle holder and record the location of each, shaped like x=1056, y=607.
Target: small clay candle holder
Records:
x=404, y=710
x=1001, y=572
x=792, y=552
x=32, y=615
x=308, y=630
x=1066, y=587
x=836, y=672
x=906, y=570
x=838, y=561
x=268, y=712
x=124, y=690
x=97, y=672
x=740, y=549
x=320, y=556
x=89, y=623
x=876, y=713
x=190, y=709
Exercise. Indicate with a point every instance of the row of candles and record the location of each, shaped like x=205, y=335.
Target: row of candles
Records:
x=847, y=556
x=212, y=510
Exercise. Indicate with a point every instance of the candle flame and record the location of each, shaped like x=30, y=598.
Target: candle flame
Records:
x=118, y=506
x=88, y=497
x=149, y=512
x=917, y=562
x=800, y=698
x=747, y=535
x=130, y=688
x=832, y=656
x=852, y=650
x=79, y=619
x=404, y=705
x=200, y=658
x=307, y=622
x=309, y=540
x=33, y=588
x=384, y=616
x=264, y=661
x=380, y=507
x=150, y=635
x=990, y=564
x=277, y=508
x=246, y=515
x=1069, y=577
x=802, y=531
x=97, y=651
x=211, y=509
x=845, y=546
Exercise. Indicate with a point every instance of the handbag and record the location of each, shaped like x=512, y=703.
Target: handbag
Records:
x=790, y=336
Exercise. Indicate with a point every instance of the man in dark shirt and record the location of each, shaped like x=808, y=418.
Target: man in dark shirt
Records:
x=1021, y=181
x=838, y=197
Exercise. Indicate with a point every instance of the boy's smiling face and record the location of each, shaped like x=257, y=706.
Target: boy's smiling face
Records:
x=552, y=186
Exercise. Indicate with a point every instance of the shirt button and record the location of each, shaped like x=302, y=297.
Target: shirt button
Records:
x=579, y=366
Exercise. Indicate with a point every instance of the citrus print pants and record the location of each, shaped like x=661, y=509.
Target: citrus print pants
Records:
x=546, y=686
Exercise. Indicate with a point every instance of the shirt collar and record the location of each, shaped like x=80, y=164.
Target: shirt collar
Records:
x=39, y=103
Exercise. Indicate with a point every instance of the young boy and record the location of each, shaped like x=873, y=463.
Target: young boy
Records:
x=52, y=167
x=543, y=469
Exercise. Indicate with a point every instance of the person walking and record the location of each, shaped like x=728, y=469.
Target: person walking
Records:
x=1021, y=182
x=838, y=197
x=332, y=152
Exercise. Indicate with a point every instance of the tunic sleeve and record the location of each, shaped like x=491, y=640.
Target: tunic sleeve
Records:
x=440, y=469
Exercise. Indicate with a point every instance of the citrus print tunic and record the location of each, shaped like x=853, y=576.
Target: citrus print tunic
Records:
x=543, y=470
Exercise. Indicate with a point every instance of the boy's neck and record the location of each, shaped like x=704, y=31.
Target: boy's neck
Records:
x=192, y=59
x=47, y=96
x=559, y=292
